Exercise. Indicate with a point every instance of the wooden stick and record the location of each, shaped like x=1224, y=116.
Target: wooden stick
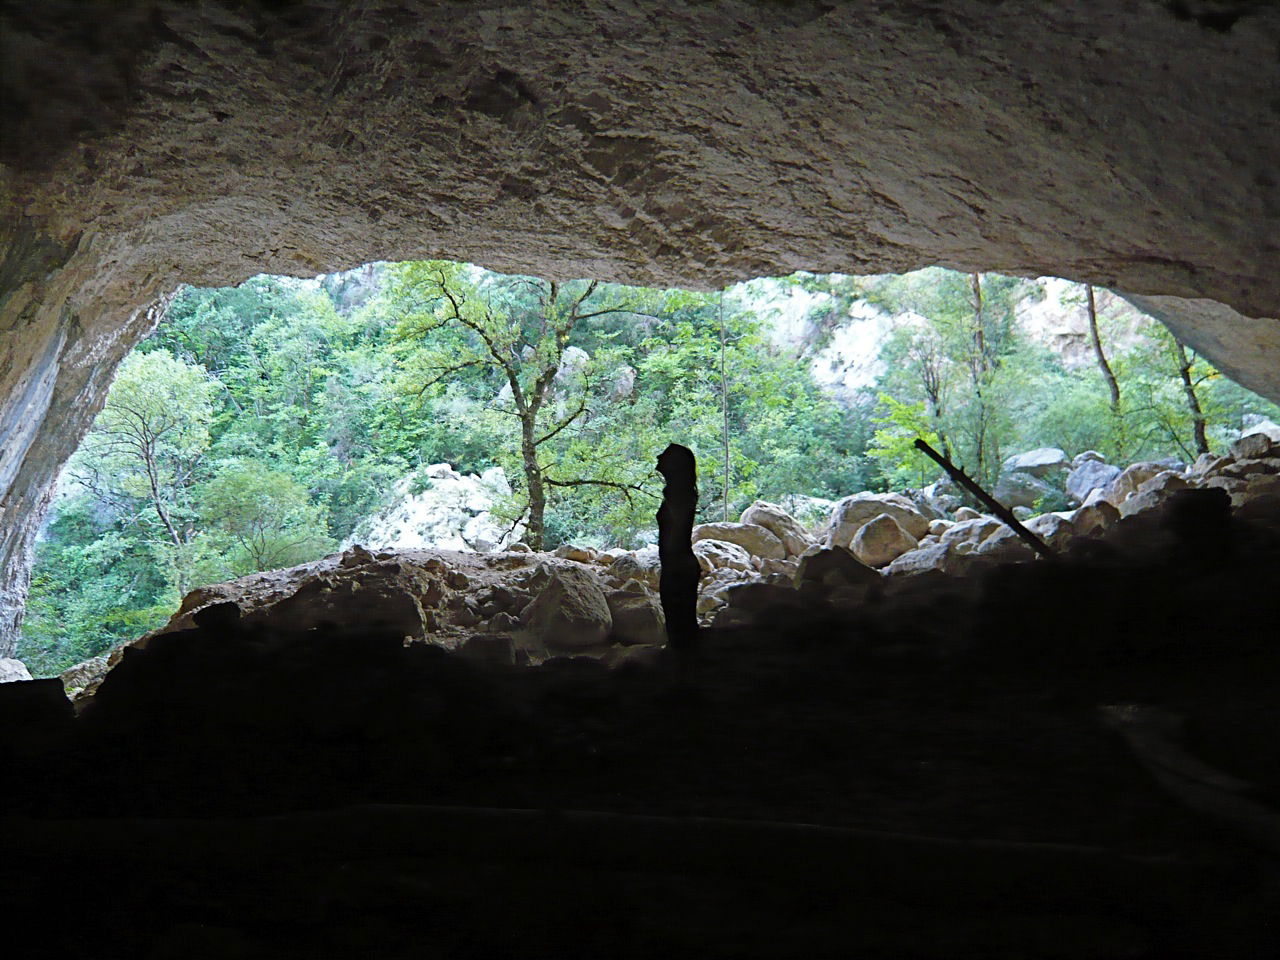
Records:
x=998, y=508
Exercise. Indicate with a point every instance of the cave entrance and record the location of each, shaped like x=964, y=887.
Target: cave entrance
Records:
x=438, y=405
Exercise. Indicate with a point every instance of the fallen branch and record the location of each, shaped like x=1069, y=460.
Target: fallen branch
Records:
x=996, y=507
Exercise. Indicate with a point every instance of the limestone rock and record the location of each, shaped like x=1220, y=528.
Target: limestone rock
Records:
x=965, y=513
x=637, y=617
x=641, y=565
x=938, y=527
x=717, y=554
x=881, y=541
x=1039, y=463
x=1085, y=457
x=1055, y=529
x=755, y=539
x=1020, y=489
x=571, y=611
x=77, y=679
x=570, y=551
x=971, y=532
x=1253, y=446
x=795, y=540
x=12, y=670
x=1127, y=482
x=937, y=556
x=439, y=508
x=1152, y=493
x=852, y=512
x=1094, y=519
x=1088, y=476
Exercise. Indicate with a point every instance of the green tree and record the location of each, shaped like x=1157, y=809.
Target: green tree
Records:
x=144, y=451
x=266, y=515
x=457, y=320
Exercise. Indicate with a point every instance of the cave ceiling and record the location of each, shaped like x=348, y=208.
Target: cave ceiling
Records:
x=1133, y=145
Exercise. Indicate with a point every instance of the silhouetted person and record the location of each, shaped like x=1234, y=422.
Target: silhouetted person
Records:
x=678, y=580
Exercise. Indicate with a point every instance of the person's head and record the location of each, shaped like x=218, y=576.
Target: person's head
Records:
x=677, y=463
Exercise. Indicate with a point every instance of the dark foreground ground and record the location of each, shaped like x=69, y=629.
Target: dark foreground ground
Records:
x=1078, y=759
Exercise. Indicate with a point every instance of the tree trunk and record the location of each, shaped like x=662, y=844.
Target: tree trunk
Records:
x=533, y=479
x=1193, y=402
x=1113, y=385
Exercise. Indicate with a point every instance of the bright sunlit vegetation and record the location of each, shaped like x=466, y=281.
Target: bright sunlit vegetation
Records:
x=261, y=424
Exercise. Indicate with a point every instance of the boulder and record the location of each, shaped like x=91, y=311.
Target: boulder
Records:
x=571, y=551
x=795, y=540
x=1085, y=457
x=721, y=554
x=938, y=527
x=852, y=512
x=755, y=539
x=1092, y=520
x=834, y=566
x=1207, y=465
x=637, y=617
x=1022, y=513
x=641, y=565
x=1055, y=529
x=882, y=541
x=78, y=678
x=1127, y=482
x=1253, y=445
x=1039, y=463
x=972, y=532
x=1022, y=489
x=1089, y=476
x=965, y=513
x=937, y=556
x=1153, y=492
x=12, y=670
x=1004, y=546
x=570, y=612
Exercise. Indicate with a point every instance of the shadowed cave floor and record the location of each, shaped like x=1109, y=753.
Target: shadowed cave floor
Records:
x=323, y=795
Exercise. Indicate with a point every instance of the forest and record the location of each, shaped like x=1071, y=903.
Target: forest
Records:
x=261, y=424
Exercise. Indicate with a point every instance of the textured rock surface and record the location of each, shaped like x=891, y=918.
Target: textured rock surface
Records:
x=1129, y=145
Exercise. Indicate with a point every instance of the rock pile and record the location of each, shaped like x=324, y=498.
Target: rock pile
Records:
x=517, y=606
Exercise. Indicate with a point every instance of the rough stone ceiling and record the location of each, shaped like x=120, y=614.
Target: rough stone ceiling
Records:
x=144, y=144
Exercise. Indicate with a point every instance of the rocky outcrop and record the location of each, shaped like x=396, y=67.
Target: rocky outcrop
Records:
x=439, y=508
x=758, y=541
x=12, y=670
x=881, y=541
x=852, y=513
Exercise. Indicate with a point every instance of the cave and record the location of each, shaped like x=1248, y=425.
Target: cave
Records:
x=1130, y=146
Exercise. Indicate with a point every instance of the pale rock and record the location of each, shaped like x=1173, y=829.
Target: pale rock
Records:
x=1089, y=476
x=1004, y=546
x=965, y=513
x=937, y=556
x=780, y=568
x=716, y=554
x=452, y=513
x=1022, y=489
x=852, y=512
x=12, y=670
x=755, y=539
x=795, y=540
x=1039, y=463
x=1085, y=457
x=938, y=527
x=1153, y=492
x=519, y=547
x=642, y=565
x=1244, y=469
x=1055, y=529
x=1253, y=446
x=571, y=611
x=1127, y=482
x=971, y=532
x=76, y=679
x=1207, y=465
x=881, y=541
x=570, y=551
x=637, y=617
x=1095, y=518
x=1022, y=513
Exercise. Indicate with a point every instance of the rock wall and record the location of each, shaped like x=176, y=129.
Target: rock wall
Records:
x=1131, y=145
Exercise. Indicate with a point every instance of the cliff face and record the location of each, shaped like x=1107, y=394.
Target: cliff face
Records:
x=1129, y=145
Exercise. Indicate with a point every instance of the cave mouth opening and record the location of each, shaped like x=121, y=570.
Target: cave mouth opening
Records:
x=273, y=423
